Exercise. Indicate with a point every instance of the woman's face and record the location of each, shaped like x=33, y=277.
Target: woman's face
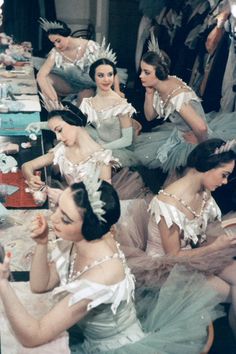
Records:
x=59, y=42
x=218, y=176
x=148, y=75
x=67, y=220
x=104, y=77
x=64, y=132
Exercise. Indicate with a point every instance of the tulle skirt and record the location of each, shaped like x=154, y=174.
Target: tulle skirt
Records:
x=133, y=234
x=174, y=319
x=73, y=75
x=165, y=148
x=129, y=185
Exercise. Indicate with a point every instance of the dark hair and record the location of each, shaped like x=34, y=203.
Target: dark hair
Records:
x=72, y=115
x=161, y=66
x=203, y=159
x=102, y=61
x=64, y=32
x=92, y=227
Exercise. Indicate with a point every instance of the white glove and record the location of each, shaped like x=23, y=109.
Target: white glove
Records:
x=35, y=127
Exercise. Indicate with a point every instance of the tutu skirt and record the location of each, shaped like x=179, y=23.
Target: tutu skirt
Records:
x=174, y=319
x=165, y=148
x=133, y=231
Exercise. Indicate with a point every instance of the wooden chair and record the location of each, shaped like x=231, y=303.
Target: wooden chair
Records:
x=87, y=33
x=210, y=339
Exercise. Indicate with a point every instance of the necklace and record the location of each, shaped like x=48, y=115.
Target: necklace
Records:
x=188, y=207
x=73, y=61
x=164, y=103
x=72, y=274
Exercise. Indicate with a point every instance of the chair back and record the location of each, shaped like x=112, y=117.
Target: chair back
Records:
x=86, y=33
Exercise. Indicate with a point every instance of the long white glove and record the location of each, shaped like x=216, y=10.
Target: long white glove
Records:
x=36, y=127
x=124, y=141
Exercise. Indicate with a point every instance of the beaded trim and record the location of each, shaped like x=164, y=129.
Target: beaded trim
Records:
x=188, y=207
x=72, y=275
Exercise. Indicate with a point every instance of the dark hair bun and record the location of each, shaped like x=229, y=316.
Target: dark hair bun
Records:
x=203, y=157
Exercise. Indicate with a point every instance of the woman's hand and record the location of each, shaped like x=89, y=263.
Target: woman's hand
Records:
x=190, y=138
x=39, y=230
x=5, y=268
x=150, y=90
x=224, y=241
x=53, y=195
x=35, y=182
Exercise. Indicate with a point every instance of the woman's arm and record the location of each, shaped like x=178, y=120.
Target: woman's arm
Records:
x=105, y=173
x=170, y=238
x=44, y=80
x=195, y=121
x=127, y=134
x=149, y=110
x=28, y=169
x=30, y=331
x=43, y=275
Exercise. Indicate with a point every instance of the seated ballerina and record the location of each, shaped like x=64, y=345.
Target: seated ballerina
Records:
x=93, y=287
x=168, y=97
x=65, y=70
x=110, y=114
x=177, y=228
x=76, y=153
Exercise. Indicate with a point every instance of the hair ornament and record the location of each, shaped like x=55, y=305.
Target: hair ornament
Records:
x=103, y=52
x=52, y=105
x=229, y=145
x=153, y=45
x=48, y=25
x=92, y=184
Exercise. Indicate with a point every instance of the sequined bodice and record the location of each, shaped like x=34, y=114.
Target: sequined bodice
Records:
x=106, y=121
x=112, y=317
x=171, y=107
x=76, y=172
x=190, y=229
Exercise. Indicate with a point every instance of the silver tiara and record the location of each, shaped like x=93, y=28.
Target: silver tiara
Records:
x=229, y=145
x=48, y=25
x=103, y=52
x=92, y=184
x=153, y=45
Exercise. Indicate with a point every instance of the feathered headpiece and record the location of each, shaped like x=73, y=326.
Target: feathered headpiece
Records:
x=51, y=105
x=92, y=184
x=153, y=45
x=229, y=145
x=48, y=25
x=104, y=52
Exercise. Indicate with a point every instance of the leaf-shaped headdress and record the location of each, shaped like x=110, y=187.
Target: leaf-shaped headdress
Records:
x=92, y=184
x=229, y=145
x=48, y=25
x=103, y=52
x=153, y=45
x=51, y=105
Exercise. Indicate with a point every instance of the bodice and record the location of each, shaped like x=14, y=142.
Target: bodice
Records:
x=172, y=106
x=111, y=314
x=106, y=121
x=82, y=63
x=190, y=229
x=77, y=172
